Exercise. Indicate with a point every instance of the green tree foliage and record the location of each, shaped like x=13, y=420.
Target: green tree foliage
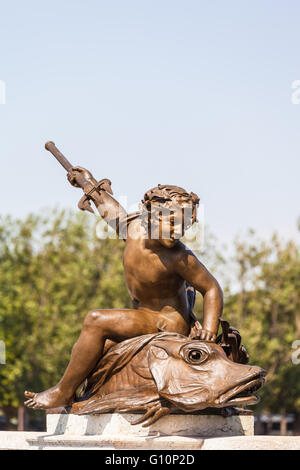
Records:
x=53, y=270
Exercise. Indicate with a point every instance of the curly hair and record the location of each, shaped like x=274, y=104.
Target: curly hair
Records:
x=164, y=193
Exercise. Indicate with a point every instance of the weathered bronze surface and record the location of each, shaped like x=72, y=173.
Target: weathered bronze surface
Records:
x=156, y=356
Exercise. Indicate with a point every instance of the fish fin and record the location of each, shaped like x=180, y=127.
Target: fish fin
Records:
x=142, y=372
x=154, y=412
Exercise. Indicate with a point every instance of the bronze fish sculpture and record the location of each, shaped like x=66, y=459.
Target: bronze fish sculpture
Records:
x=160, y=373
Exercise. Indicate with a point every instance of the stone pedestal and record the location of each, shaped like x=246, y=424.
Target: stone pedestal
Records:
x=116, y=431
x=173, y=432
x=120, y=425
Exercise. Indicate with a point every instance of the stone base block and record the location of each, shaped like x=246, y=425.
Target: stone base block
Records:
x=118, y=425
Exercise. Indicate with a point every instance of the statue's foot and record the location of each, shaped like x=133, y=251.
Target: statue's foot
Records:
x=51, y=398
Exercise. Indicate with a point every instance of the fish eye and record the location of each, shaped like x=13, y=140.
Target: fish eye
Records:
x=196, y=356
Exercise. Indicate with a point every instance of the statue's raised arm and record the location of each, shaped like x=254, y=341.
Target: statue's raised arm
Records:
x=97, y=191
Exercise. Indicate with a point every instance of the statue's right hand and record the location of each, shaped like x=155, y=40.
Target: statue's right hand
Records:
x=77, y=174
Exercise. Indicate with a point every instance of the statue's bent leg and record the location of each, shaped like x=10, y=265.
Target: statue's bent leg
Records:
x=99, y=325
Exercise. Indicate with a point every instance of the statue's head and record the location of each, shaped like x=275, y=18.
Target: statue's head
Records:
x=167, y=212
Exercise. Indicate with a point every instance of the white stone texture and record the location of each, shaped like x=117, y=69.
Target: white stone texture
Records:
x=119, y=425
x=253, y=443
x=46, y=441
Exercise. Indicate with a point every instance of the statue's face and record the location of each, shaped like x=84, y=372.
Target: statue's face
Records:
x=169, y=221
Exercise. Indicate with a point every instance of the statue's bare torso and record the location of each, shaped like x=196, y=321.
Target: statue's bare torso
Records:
x=151, y=276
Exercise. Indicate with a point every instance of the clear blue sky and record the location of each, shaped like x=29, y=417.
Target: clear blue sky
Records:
x=193, y=93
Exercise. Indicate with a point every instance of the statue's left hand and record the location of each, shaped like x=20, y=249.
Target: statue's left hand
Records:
x=207, y=335
x=197, y=332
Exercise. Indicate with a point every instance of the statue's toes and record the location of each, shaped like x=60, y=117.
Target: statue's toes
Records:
x=29, y=403
x=35, y=406
x=29, y=394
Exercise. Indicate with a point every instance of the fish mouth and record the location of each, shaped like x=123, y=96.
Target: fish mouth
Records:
x=242, y=394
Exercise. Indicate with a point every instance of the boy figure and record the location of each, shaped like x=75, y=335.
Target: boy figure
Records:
x=159, y=271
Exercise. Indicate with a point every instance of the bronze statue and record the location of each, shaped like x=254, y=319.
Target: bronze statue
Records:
x=162, y=276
